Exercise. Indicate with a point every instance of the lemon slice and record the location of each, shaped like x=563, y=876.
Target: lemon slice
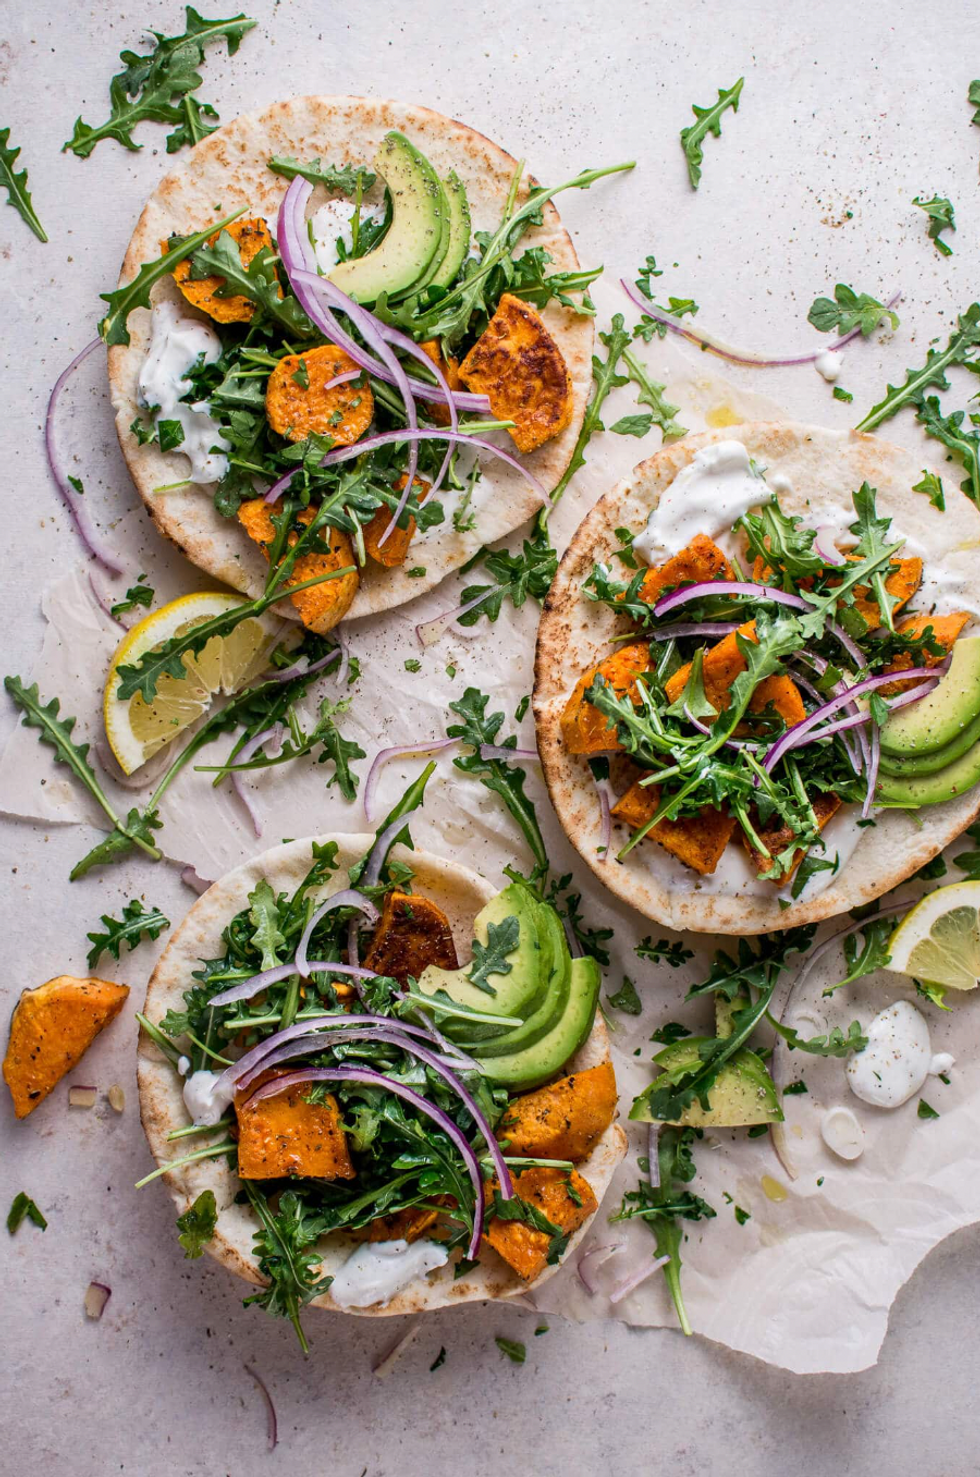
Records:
x=137, y=730
x=939, y=941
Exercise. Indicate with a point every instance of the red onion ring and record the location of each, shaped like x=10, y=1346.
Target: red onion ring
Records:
x=696, y=628
x=298, y=670
x=97, y=1295
x=250, y=987
x=430, y=631
x=602, y=1253
x=271, y=736
x=379, y=851
x=793, y=737
x=103, y=603
x=91, y=538
x=397, y=751
x=635, y=1278
x=371, y=1078
x=190, y=878
x=385, y=1362
x=343, y=379
x=343, y=671
x=604, y=794
x=653, y=1155
x=709, y=341
x=824, y=544
x=385, y=438
x=271, y=1424
x=348, y=898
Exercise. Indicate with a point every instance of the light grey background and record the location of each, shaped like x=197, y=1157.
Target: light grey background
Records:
x=847, y=108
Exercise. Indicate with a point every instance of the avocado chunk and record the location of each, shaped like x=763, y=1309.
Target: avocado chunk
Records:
x=930, y=760
x=743, y=1093
x=519, y=990
x=932, y=789
x=534, y=1064
x=553, y=1002
x=419, y=210
x=941, y=716
x=725, y=1011
x=459, y=232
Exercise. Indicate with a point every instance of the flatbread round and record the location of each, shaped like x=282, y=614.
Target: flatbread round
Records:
x=228, y=170
x=822, y=468
x=461, y=894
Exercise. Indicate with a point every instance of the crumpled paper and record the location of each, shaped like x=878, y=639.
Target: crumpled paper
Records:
x=807, y=1281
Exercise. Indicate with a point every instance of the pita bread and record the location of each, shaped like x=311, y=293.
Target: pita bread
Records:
x=461, y=894
x=229, y=170
x=822, y=468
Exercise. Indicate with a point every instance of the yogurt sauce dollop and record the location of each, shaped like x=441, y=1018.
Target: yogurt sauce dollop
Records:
x=378, y=1270
x=176, y=344
x=897, y=1059
x=204, y=1104
x=707, y=496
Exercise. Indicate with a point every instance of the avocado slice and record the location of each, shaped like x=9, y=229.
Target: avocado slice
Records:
x=553, y=1003
x=932, y=789
x=418, y=213
x=522, y=988
x=932, y=759
x=941, y=716
x=725, y=1011
x=743, y=1093
x=528, y=1068
x=459, y=231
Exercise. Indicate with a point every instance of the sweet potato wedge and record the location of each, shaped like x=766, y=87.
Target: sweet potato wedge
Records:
x=777, y=838
x=411, y=934
x=701, y=560
x=583, y=727
x=300, y=398
x=450, y=368
x=518, y=365
x=251, y=233
x=945, y=629
x=286, y=1135
x=321, y=606
x=696, y=840
x=394, y=550
x=722, y=663
x=902, y=583
x=563, y=1196
x=404, y=1225
x=564, y=1120
x=51, y=1029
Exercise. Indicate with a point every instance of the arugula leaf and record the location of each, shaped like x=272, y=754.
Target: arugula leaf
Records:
x=567, y=905
x=871, y=532
x=670, y=1033
x=503, y=779
x=645, y=274
x=692, y=701
x=193, y=127
x=15, y=185
x=632, y=425
x=604, y=379
x=782, y=541
x=969, y=861
x=835, y=1043
x=154, y=87
x=940, y=213
x=491, y=958
x=264, y=917
x=517, y=1209
x=650, y=392
x=626, y=998
x=516, y=1352
x=347, y=178
x=282, y=1244
x=23, y=1206
x=664, y=951
x=257, y=280
x=846, y=310
x=950, y=430
x=932, y=486
x=139, y=594
x=839, y=393
x=709, y=121
x=961, y=349
x=936, y=994
x=924, y=1110
x=197, y=1225
x=872, y=954
x=135, y=924
x=515, y=577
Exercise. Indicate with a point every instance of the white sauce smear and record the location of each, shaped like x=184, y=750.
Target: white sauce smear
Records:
x=897, y=1059
x=707, y=496
x=378, y=1270
x=332, y=220
x=828, y=364
x=176, y=345
x=202, y=1102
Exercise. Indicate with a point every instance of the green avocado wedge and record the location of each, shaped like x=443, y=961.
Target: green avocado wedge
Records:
x=459, y=232
x=930, y=760
x=520, y=990
x=552, y=1005
x=528, y=1068
x=743, y=1094
x=953, y=780
x=941, y=716
x=419, y=212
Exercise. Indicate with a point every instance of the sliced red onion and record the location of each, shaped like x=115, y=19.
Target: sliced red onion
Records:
x=103, y=603
x=82, y=1097
x=759, y=592
x=271, y=736
x=430, y=631
x=635, y=1278
x=298, y=670
x=251, y=987
x=380, y=849
x=872, y=771
x=141, y=778
x=862, y=719
x=653, y=1155
x=605, y=797
x=348, y=898
x=596, y=1255
x=97, y=1294
x=816, y=696
x=706, y=340
x=824, y=544
x=696, y=628
x=191, y=879
x=385, y=756
x=795, y=736
x=386, y=1361
x=730, y=743
x=371, y=1078
x=270, y=1410
x=343, y=379
x=343, y=671
x=75, y=503
x=408, y=346
x=386, y=438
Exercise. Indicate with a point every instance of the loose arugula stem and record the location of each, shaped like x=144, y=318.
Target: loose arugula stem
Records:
x=605, y=379
x=169, y=1050
x=195, y=1129
x=214, y=1152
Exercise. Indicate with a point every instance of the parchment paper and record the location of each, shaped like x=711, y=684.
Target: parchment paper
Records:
x=806, y=1283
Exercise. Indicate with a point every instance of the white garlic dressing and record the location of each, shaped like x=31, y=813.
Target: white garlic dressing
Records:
x=176, y=345
x=828, y=365
x=897, y=1059
x=334, y=219
x=379, y=1270
x=202, y=1101
x=707, y=496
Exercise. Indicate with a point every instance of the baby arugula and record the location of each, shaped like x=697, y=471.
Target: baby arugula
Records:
x=158, y=86
x=847, y=310
x=347, y=178
x=962, y=348
x=197, y=1225
x=940, y=213
x=15, y=185
x=136, y=924
x=708, y=121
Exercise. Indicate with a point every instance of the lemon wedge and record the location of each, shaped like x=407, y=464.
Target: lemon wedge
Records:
x=137, y=730
x=939, y=941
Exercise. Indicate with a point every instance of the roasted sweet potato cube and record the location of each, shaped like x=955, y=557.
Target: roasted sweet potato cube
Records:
x=696, y=840
x=320, y=607
x=394, y=550
x=301, y=398
x=51, y=1029
x=518, y=365
x=251, y=234
x=411, y=934
x=583, y=728
x=286, y=1135
x=564, y=1120
x=563, y=1196
x=945, y=629
x=724, y=662
x=404, y=1225
x=777, y=838
x=450, y=368
x=903, y=581
x=701, y=560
